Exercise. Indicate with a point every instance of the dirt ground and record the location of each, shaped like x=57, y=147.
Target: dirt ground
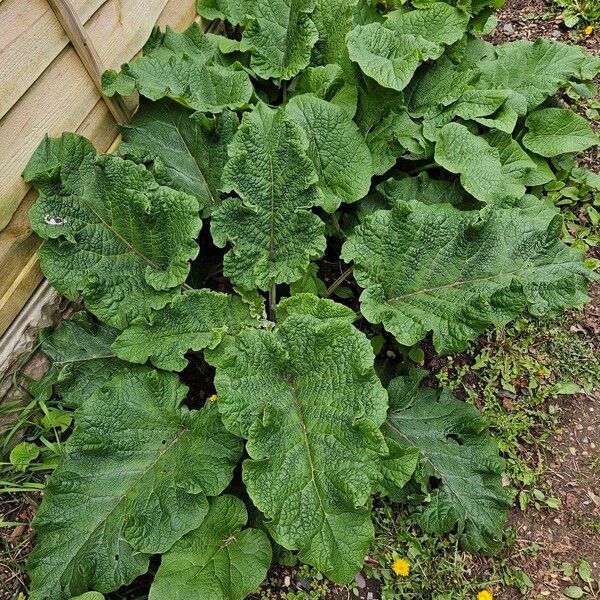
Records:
x=573, y=532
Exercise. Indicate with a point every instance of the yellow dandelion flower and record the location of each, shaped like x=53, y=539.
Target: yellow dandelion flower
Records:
x=214, y=398
x=588, y=30
x=401, y=567
x=485, y=595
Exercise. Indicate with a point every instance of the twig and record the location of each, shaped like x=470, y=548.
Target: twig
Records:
x=339, y=281
x=272, y=302
x=428, y=167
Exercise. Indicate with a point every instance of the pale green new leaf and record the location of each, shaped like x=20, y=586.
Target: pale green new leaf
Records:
x=322, y=81
x=280, y=36
x=553, y=131
x=179, y=66
x=437, y=85
x=391, y=59
x=333, y=19
x=437, y=268
x=234, y=11
x=308, y=401
x=135, y=478
x=327, y=82
x=217, y=561
x=517, y=165
x=475, y=103
x=191, y=148
x=23, y=454
x=273, y=236
x=112, y=232
x=455, y=449
x=337, y=149
x=397, y=135
x=537, y=69
x=82, y=358
x=460, y=151
x=397, y=468
x=195, y=320
x=375, y=103
x=438, y=23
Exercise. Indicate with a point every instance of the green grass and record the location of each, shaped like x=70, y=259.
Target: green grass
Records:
x=578, y=13
x=517, y=376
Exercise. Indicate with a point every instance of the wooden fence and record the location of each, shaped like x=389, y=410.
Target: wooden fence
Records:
x=51, y=55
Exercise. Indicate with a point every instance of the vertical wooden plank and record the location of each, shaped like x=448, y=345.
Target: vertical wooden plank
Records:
x=87, y=53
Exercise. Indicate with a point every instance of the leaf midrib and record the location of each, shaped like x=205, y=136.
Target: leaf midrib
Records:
x=196, y=164
x=425, y=456
x=103, y=521
x=300, y=414
x=471, y=281
x=127, y=243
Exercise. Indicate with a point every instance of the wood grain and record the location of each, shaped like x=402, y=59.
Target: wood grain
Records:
x=30, y=39
x=86, y=51
x=63, y=98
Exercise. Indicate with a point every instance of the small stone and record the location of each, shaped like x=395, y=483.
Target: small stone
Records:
x=508, y=28
x=286, y=581
x=556, y=33
x=572, y=451
x=304, y=584
x=360, y=580
x=370, y=596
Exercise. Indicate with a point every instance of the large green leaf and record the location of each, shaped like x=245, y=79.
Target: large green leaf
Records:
x=308, y=401
x=333, y=19
x=191, y=149
x=82, y=358
x=195, y=320
x=437, y=85
x=423, y=188
x=336, y=147
x=181, y=66
x=280, y=35
x=438, y=23
x=537, y=69
x=437, y=268
x=391, y=59
x=138, y=469
x=272, y=235
x=112, y=232
x=217, y=561
x=455, y=449
x=460, y=151
x=553, y=131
